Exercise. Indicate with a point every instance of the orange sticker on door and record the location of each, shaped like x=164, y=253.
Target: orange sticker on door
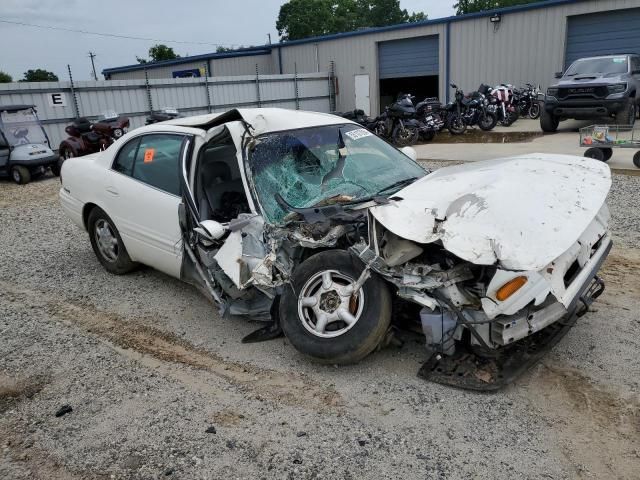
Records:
x=148, y=155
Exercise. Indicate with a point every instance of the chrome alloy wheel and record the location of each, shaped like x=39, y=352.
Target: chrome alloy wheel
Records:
x=106, y=240
x=328, y=306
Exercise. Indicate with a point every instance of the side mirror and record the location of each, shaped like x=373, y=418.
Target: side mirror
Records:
x=558, y=74
x=410, y=152
x=211, y=229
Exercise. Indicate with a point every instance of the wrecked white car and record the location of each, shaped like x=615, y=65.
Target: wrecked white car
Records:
x=314, y=224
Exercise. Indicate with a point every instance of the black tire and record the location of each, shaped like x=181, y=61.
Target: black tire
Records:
x=122, y=263
x=510, y=119
x=455, y=124
x=607, y=153
x=534, y=111
x=20, y=174
x=404, y=137
x=548, y=122
x=365, y=334
x=595, y=153
x=627, y=116
x=56, y=168
x=428, y=135
x=488, y=121
x=636, y=159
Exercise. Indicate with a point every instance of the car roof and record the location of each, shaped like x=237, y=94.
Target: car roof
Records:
x=261, y=120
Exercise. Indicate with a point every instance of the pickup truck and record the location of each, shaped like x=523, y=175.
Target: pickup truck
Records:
x=594, y=87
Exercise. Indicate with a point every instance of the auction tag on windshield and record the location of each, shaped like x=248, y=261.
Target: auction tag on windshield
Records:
x=358, y=133
x=148, y=155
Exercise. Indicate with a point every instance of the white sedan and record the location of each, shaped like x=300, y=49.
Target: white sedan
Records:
x=314, y=224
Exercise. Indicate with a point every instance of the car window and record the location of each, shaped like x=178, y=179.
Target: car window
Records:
x=157, y=162
x=153, y=159
x=635, y=64
x=126, y=156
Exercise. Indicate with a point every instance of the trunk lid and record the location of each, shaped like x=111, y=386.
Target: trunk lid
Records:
x=520, y=212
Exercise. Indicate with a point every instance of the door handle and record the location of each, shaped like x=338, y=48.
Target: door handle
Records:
x=112, y=191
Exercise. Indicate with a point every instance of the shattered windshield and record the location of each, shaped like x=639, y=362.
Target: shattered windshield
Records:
x=322, y=165
x=591, y=66
x=21, y=127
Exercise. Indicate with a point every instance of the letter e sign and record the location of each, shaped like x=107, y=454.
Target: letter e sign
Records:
x=58, y=99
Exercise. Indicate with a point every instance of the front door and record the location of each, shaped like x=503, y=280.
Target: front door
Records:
x=362, y=93
x=143, y=195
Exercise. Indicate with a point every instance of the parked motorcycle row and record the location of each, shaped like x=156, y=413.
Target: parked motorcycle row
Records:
x=406, y=121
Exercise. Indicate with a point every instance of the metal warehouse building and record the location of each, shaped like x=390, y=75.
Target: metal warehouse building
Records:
x=526, y=43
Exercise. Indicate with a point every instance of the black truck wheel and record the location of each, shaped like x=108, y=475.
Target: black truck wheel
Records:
x=636, y=159
x=627, y=116
x=323, y=318
x=548, y=122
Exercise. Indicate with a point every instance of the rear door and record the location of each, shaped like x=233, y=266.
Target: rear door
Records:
x=143, y=188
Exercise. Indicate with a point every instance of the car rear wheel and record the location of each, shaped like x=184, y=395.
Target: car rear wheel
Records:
x=20, y=175
x=107, y=243
x=636, y=159
x=324, y=318
x=548, y=122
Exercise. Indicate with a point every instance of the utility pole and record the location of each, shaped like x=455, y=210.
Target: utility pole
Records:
x=92, y=56
x=269, y=35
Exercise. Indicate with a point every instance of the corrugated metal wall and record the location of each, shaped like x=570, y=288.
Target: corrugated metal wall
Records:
x=527, y=46
x=354, y=56
x=189, y=95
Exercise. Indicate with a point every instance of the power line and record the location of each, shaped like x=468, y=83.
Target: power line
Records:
x=114, y=35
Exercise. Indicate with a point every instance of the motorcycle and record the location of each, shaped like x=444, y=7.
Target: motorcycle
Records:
x=398, y=123
x=162, y=115
x=469, y=110
x=86, y=137
x=526, y=100
x=428, y=112
x=503, y=99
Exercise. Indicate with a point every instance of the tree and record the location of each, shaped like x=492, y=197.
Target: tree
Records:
x=158, y=53
x=471, y=6
x=5, y=77
x=39, y=75
x=307, y=18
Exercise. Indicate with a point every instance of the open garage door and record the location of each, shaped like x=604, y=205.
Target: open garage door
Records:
x=408, y=66
x=602, y=34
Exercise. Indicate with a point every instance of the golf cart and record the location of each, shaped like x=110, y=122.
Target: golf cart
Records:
x=25, y=151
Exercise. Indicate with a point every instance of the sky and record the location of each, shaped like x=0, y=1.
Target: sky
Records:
x=205, y=22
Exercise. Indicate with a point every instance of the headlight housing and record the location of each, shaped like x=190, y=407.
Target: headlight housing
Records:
x=617, y=88
x=117, y=133
x=552, y=91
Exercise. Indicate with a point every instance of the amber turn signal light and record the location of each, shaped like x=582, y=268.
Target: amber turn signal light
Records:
x=509, y=288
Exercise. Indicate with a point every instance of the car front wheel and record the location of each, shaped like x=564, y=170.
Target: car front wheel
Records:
x=20, y=174
x=325, y=317
x=627, y=116
x=107, y=243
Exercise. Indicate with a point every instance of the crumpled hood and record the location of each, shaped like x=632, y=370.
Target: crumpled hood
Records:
x=522, y=212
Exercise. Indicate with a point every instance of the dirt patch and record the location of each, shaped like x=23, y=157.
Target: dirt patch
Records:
x=14, y=390
x=620, y=272
x=133, y=338
x=595, y=427
x=227, y=418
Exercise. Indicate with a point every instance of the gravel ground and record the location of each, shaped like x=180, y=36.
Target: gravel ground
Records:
x=160, y=385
